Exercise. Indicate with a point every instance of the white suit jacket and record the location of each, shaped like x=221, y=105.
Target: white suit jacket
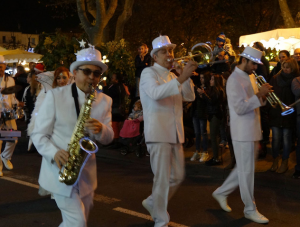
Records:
x=161, y=96
x=243, y=106
x=8, y=100
x=53, y=129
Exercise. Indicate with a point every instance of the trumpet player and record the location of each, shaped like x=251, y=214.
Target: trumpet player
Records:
x=244, y=100
x=161, y=95
x=54, y=127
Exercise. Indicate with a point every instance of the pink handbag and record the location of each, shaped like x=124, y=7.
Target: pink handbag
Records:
x=131, y=128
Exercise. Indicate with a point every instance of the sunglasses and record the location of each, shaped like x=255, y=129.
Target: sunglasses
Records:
x=87, y=72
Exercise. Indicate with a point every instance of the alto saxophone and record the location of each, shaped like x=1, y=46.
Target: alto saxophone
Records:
x=80, y=147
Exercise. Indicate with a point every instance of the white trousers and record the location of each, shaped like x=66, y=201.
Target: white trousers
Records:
x=243, y=174
x=10, y=146
x=167, y=163
x=8, y=150
x=74, y=210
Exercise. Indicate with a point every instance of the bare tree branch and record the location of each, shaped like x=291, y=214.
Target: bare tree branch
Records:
x=123, y=18
x=286, y=14
x=91, y=8
x=82, y=15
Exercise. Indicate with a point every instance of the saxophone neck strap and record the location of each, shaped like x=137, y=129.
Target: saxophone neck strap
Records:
x=75, y=96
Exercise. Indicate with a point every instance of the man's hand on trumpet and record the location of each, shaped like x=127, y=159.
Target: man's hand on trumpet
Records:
x=264, y=90
x=188, y=70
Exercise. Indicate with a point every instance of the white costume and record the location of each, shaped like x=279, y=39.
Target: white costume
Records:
x=52, y=132
x=245, y=132
x=161, y=96
x=6, y=103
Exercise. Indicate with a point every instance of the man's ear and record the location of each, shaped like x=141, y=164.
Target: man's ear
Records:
x=154, y=57
x=74, y=72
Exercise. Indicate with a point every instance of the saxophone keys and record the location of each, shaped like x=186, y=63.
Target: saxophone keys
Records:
x=69, y=166
x=61, y=178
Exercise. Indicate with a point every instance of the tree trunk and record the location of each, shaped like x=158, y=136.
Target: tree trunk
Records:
x=286, y=14
x=102, y=16
x=123, y=18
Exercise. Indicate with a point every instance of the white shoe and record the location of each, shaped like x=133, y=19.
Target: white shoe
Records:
x=222, y=200
x=257, y=217
x=147, y=207
x=7, y=164
x=204, y=157
x=1, y=173
x=195, y=156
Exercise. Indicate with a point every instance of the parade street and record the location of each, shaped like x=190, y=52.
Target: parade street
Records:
x=124, y=181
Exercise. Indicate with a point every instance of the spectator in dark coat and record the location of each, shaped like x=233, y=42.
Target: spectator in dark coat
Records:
x=199, y=116
x=296, y=92
x=118, y=93
x=283, y=55
x=282, y=126
x=262, y=70
x=142, y=60
x=297, y=56
x=21, y=80
x=215, y=98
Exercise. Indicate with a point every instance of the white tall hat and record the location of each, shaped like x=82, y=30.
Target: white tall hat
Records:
x=88, y=56
x=161, y=42
x=2, y=60
x=252, y=54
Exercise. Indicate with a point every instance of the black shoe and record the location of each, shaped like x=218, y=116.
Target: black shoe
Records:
x=296, y=175
x=213, y=162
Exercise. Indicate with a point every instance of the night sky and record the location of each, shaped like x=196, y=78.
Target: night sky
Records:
x=29, y=16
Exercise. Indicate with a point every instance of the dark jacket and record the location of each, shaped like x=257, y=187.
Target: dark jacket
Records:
x=215, y=104
x=296, y=92
x=263, y=70
x=140, y=65
x=220, y=68
x=282, y=88
x=21, y=79
x=117, y=93
x=198, y=108
x=274, y=71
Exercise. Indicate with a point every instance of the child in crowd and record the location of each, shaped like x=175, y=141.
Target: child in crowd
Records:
x=137, y=112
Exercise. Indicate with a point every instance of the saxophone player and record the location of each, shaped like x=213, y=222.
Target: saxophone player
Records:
x=54, y=126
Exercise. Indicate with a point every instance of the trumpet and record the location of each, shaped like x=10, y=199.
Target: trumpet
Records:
x=201, y=53
x=272, y=97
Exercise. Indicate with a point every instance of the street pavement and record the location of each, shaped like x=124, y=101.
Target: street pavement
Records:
x=124, y=181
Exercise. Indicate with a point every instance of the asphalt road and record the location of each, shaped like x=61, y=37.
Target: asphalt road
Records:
x=124, y=181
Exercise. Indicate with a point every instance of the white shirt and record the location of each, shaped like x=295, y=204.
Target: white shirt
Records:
x=244, y=106
x=161, y=96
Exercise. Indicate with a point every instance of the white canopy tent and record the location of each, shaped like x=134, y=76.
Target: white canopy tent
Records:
x=280, y=39
x=18, y=55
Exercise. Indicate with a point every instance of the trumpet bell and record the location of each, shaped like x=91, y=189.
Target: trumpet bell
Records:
x=202, y=53
x=287, y=110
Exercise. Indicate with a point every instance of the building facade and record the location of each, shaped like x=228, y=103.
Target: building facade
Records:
x=13, y=40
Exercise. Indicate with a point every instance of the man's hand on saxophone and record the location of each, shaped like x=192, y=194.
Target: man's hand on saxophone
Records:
x=93, y=125
x=61, y=158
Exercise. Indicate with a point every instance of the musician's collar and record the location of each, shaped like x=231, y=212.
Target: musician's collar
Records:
x=160, y=67
x=241, y=72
